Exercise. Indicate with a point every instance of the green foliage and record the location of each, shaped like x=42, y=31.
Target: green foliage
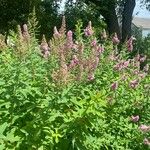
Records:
x=37, y=114
x=33, y=24
x=18, y=12
x=80, y=11
x=143, y=46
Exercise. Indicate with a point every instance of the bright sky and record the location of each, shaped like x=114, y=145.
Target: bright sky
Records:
x=142, y=12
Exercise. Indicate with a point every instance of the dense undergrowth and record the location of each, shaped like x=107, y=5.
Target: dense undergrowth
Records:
x=73, y=94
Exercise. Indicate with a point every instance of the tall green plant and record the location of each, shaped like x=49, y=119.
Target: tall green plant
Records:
x=107, y=110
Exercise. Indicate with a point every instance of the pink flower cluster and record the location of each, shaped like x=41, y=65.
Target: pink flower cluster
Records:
x=135, y=118
x=142, y=75
x=136, y=72
x=45, y=50
x=140, y=58
x=130, y=44
x=144, y=128
x=74, y=62
x=69, y=43
x=134, y=83
x=97, y=48
x=115, y=39
x=122, y=65
x=146, y=141
x=114, y=86
x=25, y=32
x=100, y=49
x=92, y=67
x=95, y=64
x=93, y=43
x=56, y=33
x=91, y=77
x=104, y=35
x=89, y=31
x=113, y=57
x=146, y=68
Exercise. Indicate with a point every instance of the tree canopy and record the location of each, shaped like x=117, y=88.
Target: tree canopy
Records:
x=117, y=14
x=18, y=12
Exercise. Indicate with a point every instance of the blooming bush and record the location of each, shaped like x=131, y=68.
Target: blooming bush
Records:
x=76, y=94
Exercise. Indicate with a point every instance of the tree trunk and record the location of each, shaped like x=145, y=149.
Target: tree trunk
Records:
x=127, y=19
x=112, y=21
x=108, y=11
x=110, y=15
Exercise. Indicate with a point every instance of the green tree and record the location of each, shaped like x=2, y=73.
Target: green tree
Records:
x=147, y=3
x=117, y=14
x=108, y=9
x=17, y=12
x=79, y=11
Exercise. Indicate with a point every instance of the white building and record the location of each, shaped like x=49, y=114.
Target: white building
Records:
x=143, y=24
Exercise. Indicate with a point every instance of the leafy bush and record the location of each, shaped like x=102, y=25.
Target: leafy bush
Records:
x=73, y=94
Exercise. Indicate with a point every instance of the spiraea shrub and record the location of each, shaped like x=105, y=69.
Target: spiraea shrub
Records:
x=74, y=92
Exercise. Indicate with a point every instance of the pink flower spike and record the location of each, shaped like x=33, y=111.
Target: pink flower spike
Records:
x=69, y=33
x=135, y=118
x=136, y=72
x=118, y=67
x=56, y=33
x=69, y=43
x=89, y=31
x=104, y=35
x=130, y=44
x=75, y=59
x=137, y=58
x=46, y=54
x=25, y=28
x=146, y=141
x=144, y=128
x=142, y=75
x=113, y=57
x=142, y=59
x=96, y=61
x=100, y=49
x=75, y=47
x=130, y=48
x=94, y=42
x=134, y=83
x=126, y=64
x=146, y=68
x=74, y=62
x=45, y=50
x=91, y=77
x=114, y=86
x=115, y=39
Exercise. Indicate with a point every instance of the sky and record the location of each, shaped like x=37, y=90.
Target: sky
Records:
x=138, y=11
x=142, y=12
